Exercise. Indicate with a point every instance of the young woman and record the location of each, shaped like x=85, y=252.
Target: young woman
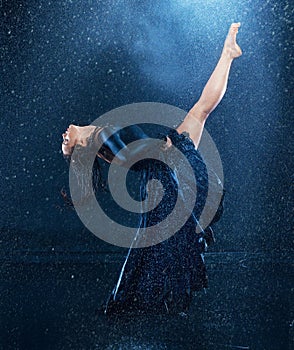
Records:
x=163, y=277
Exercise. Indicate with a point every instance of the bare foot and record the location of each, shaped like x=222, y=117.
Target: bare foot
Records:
x=231, y=47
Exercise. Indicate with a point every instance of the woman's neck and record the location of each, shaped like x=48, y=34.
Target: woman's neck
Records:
x=83, y=134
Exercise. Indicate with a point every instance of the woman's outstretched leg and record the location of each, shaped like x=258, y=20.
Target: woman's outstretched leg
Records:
x=214, y=89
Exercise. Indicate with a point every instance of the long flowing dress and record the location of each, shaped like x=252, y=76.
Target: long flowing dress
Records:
x=162, y=277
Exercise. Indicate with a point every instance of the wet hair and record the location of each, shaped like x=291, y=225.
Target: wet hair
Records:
x=78, y=166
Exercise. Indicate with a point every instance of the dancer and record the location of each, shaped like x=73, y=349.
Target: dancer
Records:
x=162, y=277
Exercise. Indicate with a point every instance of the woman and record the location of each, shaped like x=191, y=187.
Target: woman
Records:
x=162, y=277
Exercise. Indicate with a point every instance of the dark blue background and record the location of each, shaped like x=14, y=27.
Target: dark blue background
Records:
x=69, y=61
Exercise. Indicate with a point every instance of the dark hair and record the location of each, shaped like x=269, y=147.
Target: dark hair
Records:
x=78, y=167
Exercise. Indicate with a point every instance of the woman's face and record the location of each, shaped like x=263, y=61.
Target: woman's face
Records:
x=69, y=139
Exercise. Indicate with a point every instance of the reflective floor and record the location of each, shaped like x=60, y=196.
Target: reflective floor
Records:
x=50, y=303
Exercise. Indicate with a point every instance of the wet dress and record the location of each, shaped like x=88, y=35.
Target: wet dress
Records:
x=161, y=278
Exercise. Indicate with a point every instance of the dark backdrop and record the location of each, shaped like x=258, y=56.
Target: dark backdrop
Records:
x=68, y=62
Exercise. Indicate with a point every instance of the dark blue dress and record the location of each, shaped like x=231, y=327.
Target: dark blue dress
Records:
x=162, y=277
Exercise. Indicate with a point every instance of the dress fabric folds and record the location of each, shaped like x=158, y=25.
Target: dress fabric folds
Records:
x=161, y=278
